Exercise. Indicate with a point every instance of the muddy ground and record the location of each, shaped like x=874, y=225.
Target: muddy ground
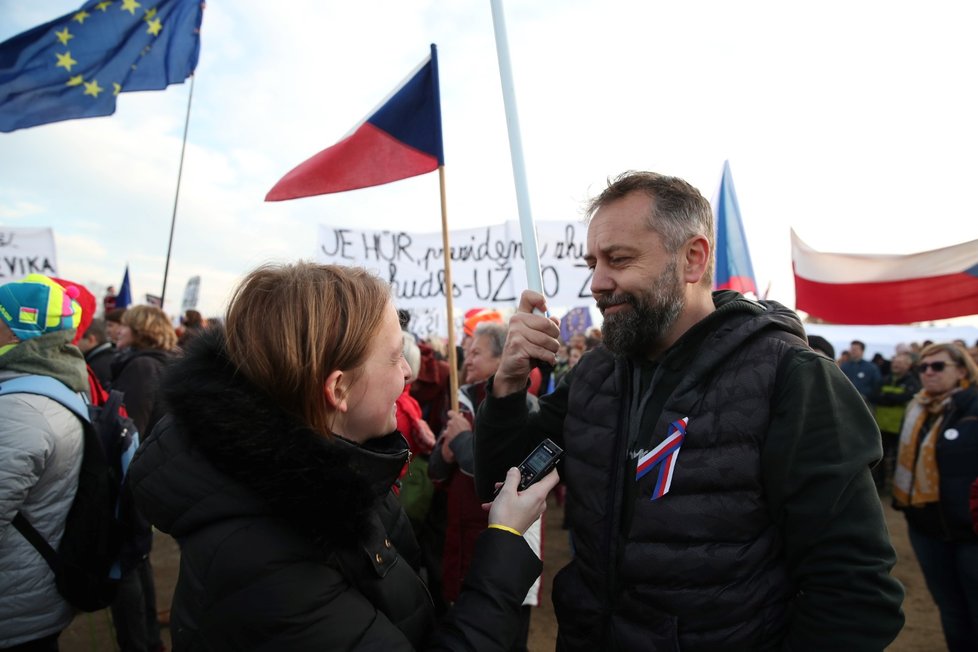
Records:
x=922, y=633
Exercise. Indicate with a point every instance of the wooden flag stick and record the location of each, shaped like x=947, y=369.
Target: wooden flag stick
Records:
x=452, y=357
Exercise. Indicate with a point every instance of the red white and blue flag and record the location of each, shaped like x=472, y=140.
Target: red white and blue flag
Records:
x=401, y=139
x=664, y=457
x=733, y=267
x=886, y=289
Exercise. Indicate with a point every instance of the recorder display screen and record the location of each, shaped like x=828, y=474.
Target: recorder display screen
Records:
x=539, y=460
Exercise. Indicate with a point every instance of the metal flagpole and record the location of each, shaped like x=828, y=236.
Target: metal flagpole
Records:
x=176, y=196
x=531, y=256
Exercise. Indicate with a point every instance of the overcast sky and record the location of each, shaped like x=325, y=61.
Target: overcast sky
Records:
x=851, y=122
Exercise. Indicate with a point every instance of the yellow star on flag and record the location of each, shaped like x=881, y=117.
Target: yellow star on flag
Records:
x=92, y=88
x=74, y=81
x=65, y=61
x=102, y=6
x=64, y=36
x=150, y=14
x=81, y=16
x=130, y=5
x=154, y=27
x=116, y=88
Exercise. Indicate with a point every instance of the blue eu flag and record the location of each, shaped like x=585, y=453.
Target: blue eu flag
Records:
x=76, y=65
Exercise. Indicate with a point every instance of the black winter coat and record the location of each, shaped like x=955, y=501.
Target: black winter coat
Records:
x=290, y=541
x=137, y=373
x=957, y=461
x=771, y=535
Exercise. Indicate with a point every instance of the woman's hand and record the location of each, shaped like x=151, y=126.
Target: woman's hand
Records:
x=424, y=439
x=519, y=509
x=456, y=424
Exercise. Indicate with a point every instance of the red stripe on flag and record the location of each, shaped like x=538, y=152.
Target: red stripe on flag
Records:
x=368, y=157
x=893, y=302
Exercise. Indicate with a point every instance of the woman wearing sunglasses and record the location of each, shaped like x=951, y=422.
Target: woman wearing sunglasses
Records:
x=274, y=469
x=936, y=465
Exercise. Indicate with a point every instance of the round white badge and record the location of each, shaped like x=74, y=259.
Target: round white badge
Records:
x=950, y=434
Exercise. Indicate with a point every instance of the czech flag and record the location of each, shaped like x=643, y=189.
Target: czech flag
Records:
x=733, y=267
x=886, y=289
x=400, y=139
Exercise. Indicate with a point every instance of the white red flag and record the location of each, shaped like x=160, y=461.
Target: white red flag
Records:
x=886, y=289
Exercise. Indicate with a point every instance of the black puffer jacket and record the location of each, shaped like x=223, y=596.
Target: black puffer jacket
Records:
x=290, y=541
x=771, y=535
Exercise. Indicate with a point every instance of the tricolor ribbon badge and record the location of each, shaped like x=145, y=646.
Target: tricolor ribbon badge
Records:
x=663, y=456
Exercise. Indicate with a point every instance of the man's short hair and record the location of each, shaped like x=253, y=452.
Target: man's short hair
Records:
x=97, y=330
x=859, y=343
x=678, y=210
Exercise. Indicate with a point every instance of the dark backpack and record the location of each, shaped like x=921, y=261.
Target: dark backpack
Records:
x=86, y=564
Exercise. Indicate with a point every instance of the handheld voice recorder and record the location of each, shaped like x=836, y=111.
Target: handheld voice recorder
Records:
x=538, y=463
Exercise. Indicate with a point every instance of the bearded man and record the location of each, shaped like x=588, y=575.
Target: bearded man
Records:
x=719, y=493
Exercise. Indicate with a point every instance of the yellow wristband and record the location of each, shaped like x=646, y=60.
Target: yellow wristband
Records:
x=505, y=528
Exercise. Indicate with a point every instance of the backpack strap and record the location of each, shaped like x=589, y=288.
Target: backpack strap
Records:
x=62, y=394
x=40, y=543
x=51, y=388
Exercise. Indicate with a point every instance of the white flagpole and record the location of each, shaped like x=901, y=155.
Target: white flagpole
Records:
x=531, y=256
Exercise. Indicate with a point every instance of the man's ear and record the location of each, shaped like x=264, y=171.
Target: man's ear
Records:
x=335, y=390
x=696, y=259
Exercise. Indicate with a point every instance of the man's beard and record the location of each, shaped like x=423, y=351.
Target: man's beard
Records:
x=634, y=332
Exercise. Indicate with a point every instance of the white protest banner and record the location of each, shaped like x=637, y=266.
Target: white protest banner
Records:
x=26, y=251
x=488, y=269
x=190, y=294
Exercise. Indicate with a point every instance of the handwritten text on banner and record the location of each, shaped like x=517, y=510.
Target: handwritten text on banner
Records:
x=488, y=268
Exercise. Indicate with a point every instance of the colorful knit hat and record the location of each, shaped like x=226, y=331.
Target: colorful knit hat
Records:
x=36, y=305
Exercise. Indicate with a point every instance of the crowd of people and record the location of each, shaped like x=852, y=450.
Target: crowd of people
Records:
x=722, y=474
x=925, y=401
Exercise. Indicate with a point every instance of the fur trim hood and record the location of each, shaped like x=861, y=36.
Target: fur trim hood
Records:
x=225, y=450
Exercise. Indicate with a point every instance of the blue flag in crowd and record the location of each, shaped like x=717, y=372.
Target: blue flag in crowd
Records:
x=76, y=65
x=577, y=320
x=734, y=270
x=124, y=298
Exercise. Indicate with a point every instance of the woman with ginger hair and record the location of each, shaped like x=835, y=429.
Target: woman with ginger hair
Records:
x=937, y=463
x=274, y=470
